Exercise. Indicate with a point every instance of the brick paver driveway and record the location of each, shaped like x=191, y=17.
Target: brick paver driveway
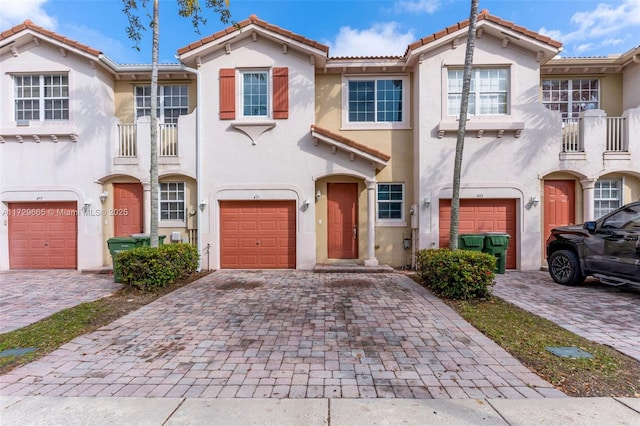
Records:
x=285, y=334
x=29, y=296
x=600, y=313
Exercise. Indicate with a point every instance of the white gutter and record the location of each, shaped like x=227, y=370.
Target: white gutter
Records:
x=198, y=161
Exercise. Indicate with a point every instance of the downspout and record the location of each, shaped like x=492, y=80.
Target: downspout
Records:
x=198, y=160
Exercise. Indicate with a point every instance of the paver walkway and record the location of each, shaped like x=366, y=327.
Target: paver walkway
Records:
x=603, y=314
x=285, y=334
x=27, y=297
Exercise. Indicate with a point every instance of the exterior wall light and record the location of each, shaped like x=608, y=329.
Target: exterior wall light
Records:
x=318, y=195
x=534, y=200
x=103, y=197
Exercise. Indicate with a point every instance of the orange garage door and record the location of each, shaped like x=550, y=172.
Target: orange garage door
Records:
x=479, y=216
x=43, y=235
x=257, y=234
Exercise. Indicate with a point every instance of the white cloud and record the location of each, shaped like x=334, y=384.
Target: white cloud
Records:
x=112, y=47
x=383, y=39
x=15, y=12
x=419, y=6
x=612, y=22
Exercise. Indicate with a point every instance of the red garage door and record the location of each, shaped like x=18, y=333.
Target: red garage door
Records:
x=479, y=216
x=43, y=235
x=257, y=234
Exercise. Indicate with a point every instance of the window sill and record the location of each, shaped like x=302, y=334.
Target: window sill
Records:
x=391, y=224
x=172, y=224
x=481, y=126
x=253, y=128
x=38, y=133
x=375, y=126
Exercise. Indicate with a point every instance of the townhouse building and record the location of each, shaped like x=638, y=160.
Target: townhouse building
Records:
x=273, y=154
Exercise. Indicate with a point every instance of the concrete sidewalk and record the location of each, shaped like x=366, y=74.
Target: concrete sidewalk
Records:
x=193, y=411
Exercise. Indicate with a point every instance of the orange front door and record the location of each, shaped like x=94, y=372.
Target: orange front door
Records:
x=127, y=197
x=559, y=204
x=342, y=216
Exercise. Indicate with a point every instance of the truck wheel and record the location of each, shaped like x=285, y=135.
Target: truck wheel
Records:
x=564, y=268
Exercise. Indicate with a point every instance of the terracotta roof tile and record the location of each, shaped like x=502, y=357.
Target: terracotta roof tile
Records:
x=484, y=14
x=254, y=20
x=33, y=27
x=351, y=143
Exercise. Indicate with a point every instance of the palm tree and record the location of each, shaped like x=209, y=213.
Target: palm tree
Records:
x=462, y=124
x=187, y=9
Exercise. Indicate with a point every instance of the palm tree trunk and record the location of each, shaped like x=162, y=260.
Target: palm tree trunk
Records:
x=154, y=127
x=462, y=125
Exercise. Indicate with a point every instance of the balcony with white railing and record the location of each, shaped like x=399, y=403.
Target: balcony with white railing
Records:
x=594, y=137
x=175, y=142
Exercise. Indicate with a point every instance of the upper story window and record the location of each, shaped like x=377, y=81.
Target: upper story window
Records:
x=260, y=93
x=42, y=97
x=571, y=97
x=373, y=102
x=607, y=196
x=489, y=93
x=172, y=201
x=255, y=93
x=390, y=202
x=173, y=101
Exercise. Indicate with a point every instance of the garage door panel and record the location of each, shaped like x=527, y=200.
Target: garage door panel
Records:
x=43, y=235
x=480, y=216
x=263, y=234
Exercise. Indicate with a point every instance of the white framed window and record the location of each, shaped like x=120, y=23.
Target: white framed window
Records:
x=254, y=95
x=390, y=205
x=370, y=102
x=41, y=97
x=172, y=201
x=173, y=101
x=489, y=92
x=607, y=196
x=571, y=97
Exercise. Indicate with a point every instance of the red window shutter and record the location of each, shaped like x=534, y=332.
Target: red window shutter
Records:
x=280, y=93
x=227, y=94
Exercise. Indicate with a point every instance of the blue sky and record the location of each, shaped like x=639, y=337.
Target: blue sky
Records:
x=349, y=27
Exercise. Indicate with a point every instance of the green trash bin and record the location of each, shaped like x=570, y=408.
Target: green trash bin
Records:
x=471, y=242
x=116, y=245
x=496, y=243
x=145, y=239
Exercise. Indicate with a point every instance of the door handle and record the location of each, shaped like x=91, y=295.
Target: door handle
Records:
x=355, y=232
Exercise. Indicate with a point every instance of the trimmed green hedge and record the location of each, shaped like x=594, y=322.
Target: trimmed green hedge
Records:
x=150, y=267
x=458, y=274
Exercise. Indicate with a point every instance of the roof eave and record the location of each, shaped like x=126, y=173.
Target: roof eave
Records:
x=319, y=55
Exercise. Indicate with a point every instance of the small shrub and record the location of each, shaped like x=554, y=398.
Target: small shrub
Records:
x=458, y=274
x=150, y=267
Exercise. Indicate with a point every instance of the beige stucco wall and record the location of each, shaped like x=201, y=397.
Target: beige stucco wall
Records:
x=631, y=83
x=396, y=143
x=124, y=100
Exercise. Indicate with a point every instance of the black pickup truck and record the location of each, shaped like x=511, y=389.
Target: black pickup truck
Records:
x=608, y=249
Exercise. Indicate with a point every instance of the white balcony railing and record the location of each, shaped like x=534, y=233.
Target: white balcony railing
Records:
x=127, y=140
x=168, y=140
x=616, y=141
x=571, y=141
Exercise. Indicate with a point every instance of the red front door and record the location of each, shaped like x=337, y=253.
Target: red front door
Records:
x=127, y=197
x=559, y=204
x=342, y=217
